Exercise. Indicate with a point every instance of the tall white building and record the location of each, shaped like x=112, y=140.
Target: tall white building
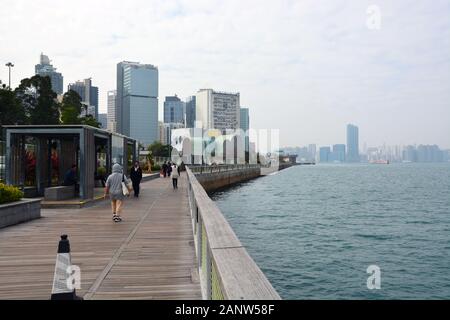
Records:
x=111, y=113
x=217, y=110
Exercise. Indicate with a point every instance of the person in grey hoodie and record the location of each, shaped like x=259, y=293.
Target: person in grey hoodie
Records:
x=114, y=189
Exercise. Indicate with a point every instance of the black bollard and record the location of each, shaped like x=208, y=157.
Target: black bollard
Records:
x=61, y=289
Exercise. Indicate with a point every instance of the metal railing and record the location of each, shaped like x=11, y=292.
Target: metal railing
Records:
x=226, y=269
x=222, y=168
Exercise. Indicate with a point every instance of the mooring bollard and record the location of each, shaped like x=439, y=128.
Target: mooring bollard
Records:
x=63, y=279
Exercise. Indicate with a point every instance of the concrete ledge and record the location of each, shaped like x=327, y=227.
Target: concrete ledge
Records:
x=149, y=176
x=19, y=211
x=59, y=193
x=217, y=180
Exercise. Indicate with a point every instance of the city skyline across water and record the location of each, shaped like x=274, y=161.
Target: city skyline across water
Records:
x=306, y=70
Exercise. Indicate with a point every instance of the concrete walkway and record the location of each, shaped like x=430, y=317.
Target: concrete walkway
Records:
x=150, y=255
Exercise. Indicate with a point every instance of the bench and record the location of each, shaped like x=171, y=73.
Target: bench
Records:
x=59, y=193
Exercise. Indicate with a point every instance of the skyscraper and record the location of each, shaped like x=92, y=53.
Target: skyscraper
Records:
x=312, y=152
x=217, y=110
x=44, y=68
x=245, y=125
x=352, y=143
x=88, y=94
x=173, y=110
x=137, y=101
x=190, y=112
x=111, y=117
x=324, y=154
x=338, y=153
x=102, y=118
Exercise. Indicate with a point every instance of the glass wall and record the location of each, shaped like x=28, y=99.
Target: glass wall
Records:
x=117, y=151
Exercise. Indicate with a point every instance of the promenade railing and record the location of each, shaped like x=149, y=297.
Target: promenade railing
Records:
x=227, y=272
x=222, y=168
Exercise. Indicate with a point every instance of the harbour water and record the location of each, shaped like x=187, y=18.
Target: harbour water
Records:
x=314, y=230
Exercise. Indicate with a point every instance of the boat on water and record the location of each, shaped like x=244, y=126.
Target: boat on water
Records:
x=379, y=161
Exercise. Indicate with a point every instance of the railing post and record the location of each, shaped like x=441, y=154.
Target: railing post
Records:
x=208, y=273
x=199, y=241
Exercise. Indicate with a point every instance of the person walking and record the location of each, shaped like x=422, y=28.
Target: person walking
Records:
x=115, y=190
x=136, y=177
x=175, y=175
x=164, y=168
x=169, y=169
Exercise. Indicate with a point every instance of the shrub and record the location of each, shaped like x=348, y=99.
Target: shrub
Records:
x=156, y=167
x=101, y=171
x=9, y=193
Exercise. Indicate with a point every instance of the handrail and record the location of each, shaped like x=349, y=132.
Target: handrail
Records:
x=226, y=269
x=221, y=168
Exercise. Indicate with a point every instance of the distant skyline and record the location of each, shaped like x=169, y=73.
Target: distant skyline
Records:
x=307, y=68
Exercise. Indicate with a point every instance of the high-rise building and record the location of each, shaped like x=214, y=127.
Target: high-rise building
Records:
x=173, y=110
x=88, y=94
x=161, y=132
x=312, y=149
x=338, y=153
x=245, y=125
x=44, y=68
x=429, y=153
x=217, y=110
x=111, y=117
x=102, y=118
x=190, y=112
x=137, y=101
x=165, y=135
x=324, y=154
x=352, y=143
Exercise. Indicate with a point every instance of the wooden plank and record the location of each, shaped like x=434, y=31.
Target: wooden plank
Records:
x=147, y=256
x=240, y=277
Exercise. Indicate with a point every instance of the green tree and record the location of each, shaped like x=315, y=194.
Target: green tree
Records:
x=90, y=121
x=38, y=100
x=71, y=108
x=158, y=149
x=11, y=109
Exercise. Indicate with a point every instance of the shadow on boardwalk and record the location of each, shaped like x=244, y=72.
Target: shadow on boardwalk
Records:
x=150, y=255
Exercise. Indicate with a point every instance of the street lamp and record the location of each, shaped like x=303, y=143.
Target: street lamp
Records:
x=9, y=65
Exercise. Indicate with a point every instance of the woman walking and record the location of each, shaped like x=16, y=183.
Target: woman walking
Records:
x=175, y=175
x=136, y=177
x=115, y=190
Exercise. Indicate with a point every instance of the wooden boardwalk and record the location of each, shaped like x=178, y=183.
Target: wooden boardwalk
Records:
x=150, y=255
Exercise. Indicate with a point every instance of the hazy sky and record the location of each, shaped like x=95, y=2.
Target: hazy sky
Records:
x=305, y=67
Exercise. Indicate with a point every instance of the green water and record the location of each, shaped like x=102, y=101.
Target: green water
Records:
x=314, y=230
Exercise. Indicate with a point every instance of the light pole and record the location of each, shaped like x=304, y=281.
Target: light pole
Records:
x=9, y=65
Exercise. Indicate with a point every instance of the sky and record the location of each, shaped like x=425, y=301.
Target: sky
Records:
x=306, y=67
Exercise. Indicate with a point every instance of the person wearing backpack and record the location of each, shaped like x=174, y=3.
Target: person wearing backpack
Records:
x=117, y=187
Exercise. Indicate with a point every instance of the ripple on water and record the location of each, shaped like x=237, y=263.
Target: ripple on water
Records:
x=315, y=230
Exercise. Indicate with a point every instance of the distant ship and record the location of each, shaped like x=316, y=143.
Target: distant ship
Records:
x=379, y=161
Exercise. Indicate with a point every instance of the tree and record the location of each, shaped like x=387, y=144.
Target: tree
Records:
x=158, y=149
x=11, y=109
x=90, y=121
x=38, y=100
x=71, y=108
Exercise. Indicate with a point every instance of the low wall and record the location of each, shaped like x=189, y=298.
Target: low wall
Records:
x=217, y=180
x=226, y=270
x=149, y=176
x=19, y=211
